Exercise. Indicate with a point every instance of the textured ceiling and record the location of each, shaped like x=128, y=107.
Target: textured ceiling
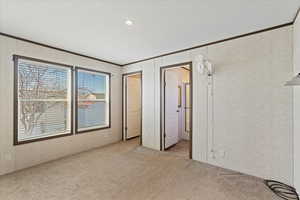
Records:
x=96, y=27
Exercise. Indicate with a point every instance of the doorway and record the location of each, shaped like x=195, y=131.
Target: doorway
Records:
x=176, y=109
x=132, y=106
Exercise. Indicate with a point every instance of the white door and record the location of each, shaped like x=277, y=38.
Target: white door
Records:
x=134, y=106
x=171, y=108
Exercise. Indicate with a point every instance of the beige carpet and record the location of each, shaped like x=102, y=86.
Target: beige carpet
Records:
x=182, y=148
x=126, y=171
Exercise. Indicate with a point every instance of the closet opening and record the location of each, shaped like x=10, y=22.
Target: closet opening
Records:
x=132, y=106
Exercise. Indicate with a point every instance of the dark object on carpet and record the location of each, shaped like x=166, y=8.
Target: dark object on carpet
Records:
x=282, y=190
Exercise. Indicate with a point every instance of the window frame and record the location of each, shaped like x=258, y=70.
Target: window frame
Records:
x=16, y=59
x=77, y=131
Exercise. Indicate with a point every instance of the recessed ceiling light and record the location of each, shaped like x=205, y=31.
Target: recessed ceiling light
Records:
x=128, y=22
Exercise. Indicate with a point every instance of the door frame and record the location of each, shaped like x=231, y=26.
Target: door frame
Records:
x=185, y=86
x=162, y=105
x=124, y=106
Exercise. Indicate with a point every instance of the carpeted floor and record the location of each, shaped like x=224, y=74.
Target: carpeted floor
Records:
x=182, y=149
x=125, y=171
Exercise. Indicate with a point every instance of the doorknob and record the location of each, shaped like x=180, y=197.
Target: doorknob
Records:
x=177, y=110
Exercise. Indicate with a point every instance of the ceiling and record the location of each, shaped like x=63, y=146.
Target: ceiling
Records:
x=97, y=27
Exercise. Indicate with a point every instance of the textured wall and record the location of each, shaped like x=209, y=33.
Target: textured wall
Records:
x=297, y=105
x=243, y=115
x=18, y=157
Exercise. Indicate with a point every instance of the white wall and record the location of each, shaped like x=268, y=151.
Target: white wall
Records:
x=18, y=157
x=297, y=105
x=245, y=122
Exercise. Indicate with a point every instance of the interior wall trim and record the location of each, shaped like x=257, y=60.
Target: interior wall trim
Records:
x=162, y=55
x=296, y=16
x=212, y=43
x=58, y=49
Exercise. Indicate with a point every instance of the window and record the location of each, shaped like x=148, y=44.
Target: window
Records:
x=43, y=106
x=43, y=102
x=92, y=100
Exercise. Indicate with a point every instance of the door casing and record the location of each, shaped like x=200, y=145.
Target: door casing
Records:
x=162, y=105
x=124, y=105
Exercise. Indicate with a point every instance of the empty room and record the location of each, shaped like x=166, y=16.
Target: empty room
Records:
x=149, y=100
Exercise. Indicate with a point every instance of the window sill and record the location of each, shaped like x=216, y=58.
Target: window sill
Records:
x=92, y=129
x=41, y=139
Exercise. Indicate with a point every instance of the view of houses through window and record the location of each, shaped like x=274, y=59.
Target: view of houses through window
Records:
x=93, y=100
x=44, y=99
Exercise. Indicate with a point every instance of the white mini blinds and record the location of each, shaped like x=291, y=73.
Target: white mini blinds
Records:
x=43, y=106
x=43, y=101
x=93, y=100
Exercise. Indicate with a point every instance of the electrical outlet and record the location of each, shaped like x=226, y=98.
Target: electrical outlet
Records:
x=222, y=153
x=215, y=154
x=7, y=156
